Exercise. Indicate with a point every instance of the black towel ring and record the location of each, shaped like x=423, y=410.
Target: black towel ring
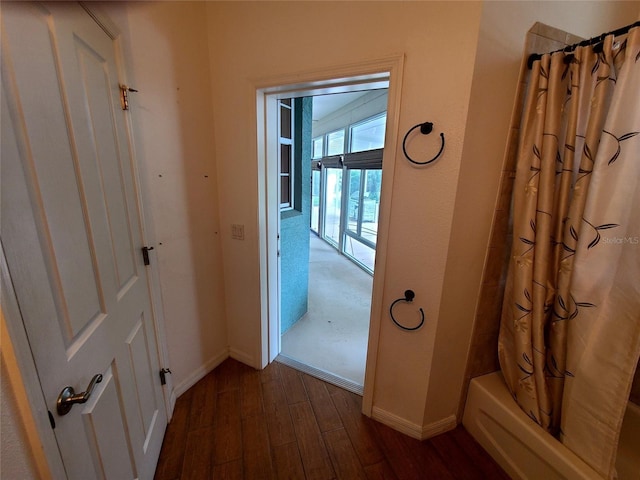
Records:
x=408, y=297
x=425, y=129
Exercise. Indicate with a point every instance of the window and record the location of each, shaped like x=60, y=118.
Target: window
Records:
x=315, y=200
x=318, y=146
x=369, y=134
x=285, y=140
x=335, y=142
x=346, y=192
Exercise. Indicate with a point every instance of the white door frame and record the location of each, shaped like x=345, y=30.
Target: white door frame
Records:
x=25, y=383
x=147, y=235
x=40, y=434
x=330, y=80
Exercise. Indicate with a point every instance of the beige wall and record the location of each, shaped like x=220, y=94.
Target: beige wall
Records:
x=194, y=65
x=253, y=41
x=419, y=376
x=169, y=65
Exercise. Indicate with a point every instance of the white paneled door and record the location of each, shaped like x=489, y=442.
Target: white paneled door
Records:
x=71, y=232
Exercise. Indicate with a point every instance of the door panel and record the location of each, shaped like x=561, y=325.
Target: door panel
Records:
x=72, y=236
x=102, y=419
x=140, y=364
x=52, y=163
x=94, y=76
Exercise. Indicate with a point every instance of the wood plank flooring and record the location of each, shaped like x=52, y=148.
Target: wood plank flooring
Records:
x=240, y=423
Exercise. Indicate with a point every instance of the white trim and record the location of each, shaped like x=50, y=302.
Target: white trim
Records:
x=102, y=19
x=243, y=357
x=400, y=424
x=419, y=432
x=47, y=457
x=441, y=426
x=395, y=68
x=142, y=191
x=147, y=236
x=351, y=77
x=337, y=79
x=328, y=377
x=199, y=373
x=172, y=400
x=284, y=207
x=268, y=227
x=265, y=341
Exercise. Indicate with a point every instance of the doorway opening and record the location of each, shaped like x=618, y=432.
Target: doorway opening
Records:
x=385, y=73
x=330, y=169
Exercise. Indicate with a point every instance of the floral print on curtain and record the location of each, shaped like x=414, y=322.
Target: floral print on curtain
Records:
x=570, y=331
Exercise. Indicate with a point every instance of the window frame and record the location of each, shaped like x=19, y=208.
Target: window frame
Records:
x=290, y=175
x=347, y=130
x=313, y=147
x=361, y=160
x=345, y=143
x=363, y=122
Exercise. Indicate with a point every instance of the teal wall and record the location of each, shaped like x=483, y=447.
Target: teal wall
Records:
x=294, y=224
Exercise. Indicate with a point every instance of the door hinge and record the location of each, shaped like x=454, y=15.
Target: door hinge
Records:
x=52, y=420
x=163, y=375
x=145, y=255
x=124, y=96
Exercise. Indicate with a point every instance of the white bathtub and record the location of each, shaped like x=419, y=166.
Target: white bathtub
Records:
x=524, y=450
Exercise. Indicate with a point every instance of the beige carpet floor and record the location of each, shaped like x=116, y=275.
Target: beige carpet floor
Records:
x=333, y=334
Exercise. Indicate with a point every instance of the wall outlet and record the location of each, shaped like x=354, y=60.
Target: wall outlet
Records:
x=237, y=232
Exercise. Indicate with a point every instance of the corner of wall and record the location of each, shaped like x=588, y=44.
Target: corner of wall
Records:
x=198, y=374
x=244, y=357
x=419, y=432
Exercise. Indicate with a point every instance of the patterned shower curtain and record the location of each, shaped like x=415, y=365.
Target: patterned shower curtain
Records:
x=570, y=330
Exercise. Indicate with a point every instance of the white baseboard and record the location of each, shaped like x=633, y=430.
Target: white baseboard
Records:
x=397, y=423
x=243, y=357
x=419, y=432
x=200, y=373
x=328, y=377
x=172, y=401
x=441, y=426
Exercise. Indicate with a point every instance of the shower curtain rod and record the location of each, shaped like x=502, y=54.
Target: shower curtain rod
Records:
x=591, y=41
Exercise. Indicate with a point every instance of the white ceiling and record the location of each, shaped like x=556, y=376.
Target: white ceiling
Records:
x=323, y=105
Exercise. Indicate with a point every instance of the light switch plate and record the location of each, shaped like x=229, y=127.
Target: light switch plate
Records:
x=237, y=232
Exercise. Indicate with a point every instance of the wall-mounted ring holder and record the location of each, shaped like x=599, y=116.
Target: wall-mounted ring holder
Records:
x=425, y=128
x=408, y=297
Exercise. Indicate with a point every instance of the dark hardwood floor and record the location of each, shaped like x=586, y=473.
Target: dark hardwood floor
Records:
x=240, y=423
